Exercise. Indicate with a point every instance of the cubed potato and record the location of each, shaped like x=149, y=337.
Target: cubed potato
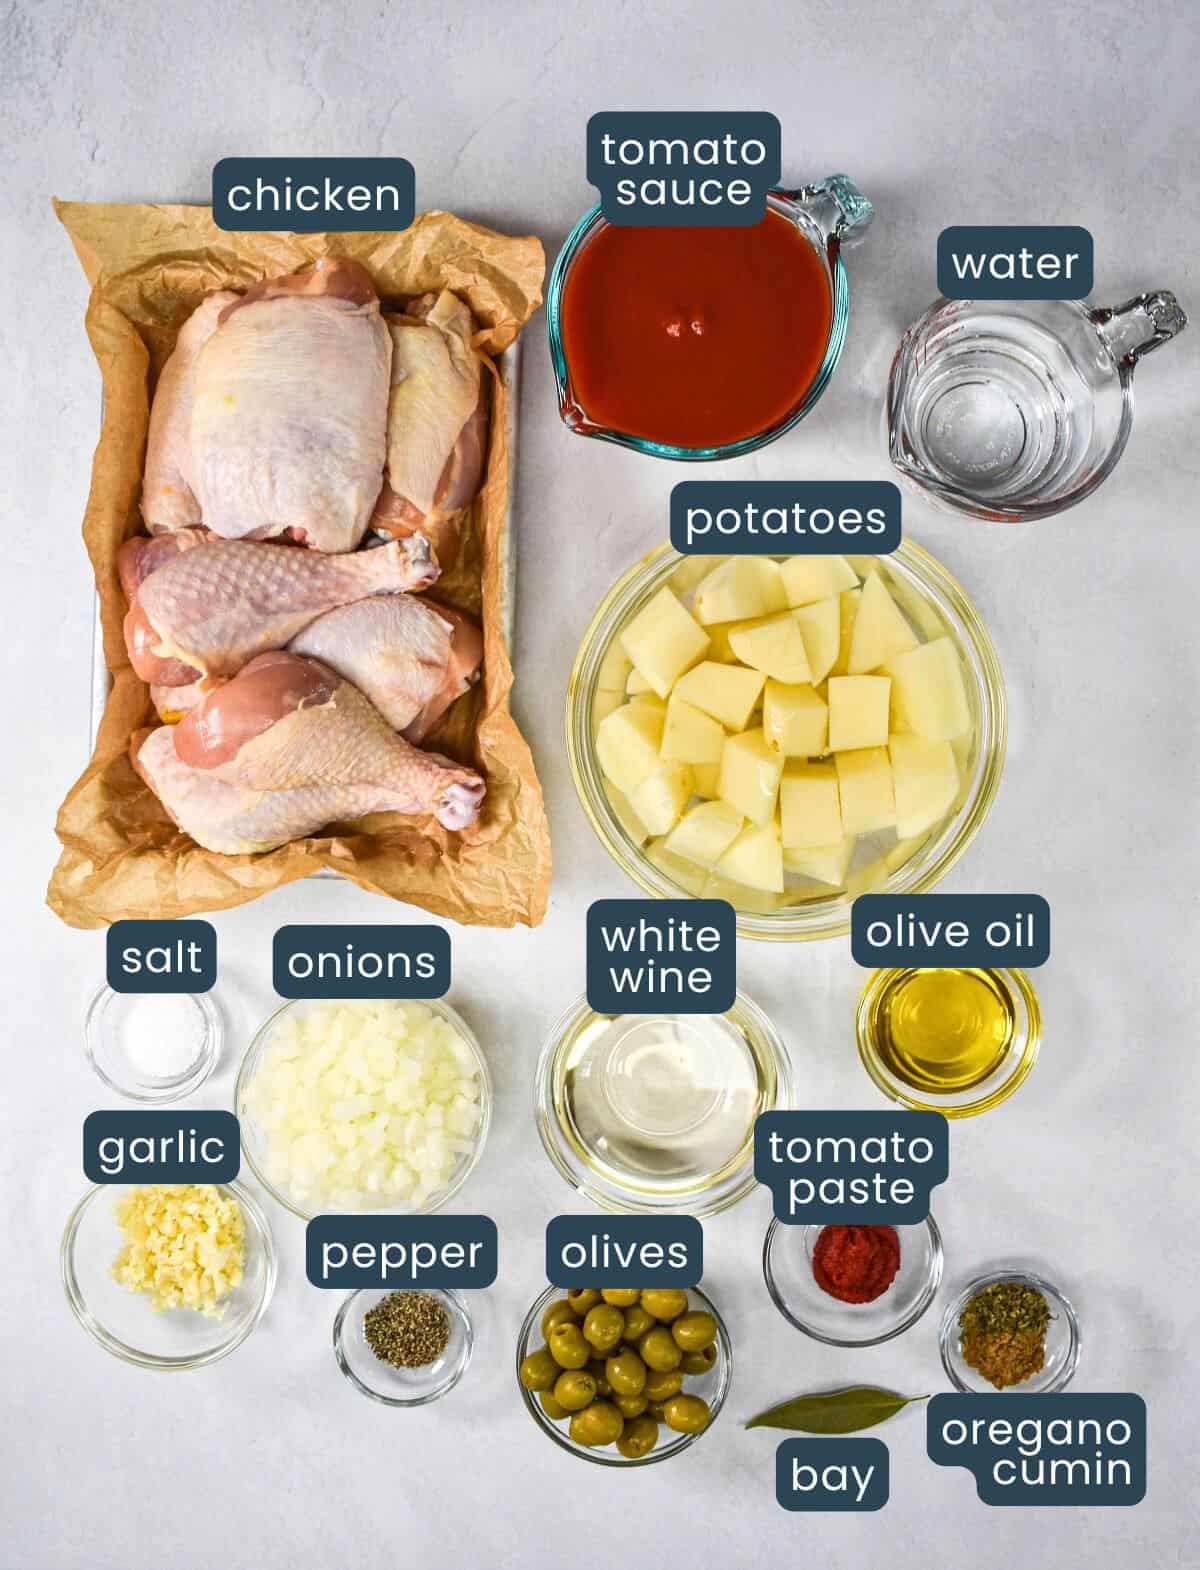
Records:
x=809, y=813
x=865, y=788
x=727, y=692
x=741, y=587
x=755, y=858
x=807, y=579
x=750, y=772
x=880, y=630
x=602, y=706
x=648, y=700
x=661, y=797
x=686, y=874
x=773, y=645
x=741, y=896
x=614, y=669
x=718, y=643
x=858, y=712
x=690, y=736
x=825, y=863
x=795, y=720
x=930, y=696
x=706, y=780
x=821, y=629
x=627, y=744
x=663, y=640
x=925, y=779
x=704, y=833
x=848, y=604
x=637, y=683
x=904, y=850
x=692, y=570
x=626, y=816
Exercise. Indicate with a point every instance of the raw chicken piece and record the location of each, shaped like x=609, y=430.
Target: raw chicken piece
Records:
x=140, y=556
x=410, y=656
x=168, y=498
x=172, y=703
x=289, y=416
x=215, y=606
x=437, y=424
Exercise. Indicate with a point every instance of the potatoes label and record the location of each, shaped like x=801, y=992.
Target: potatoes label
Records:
x=785, y=517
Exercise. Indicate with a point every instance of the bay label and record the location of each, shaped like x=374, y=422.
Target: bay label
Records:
x=624, y=1251
x=832, y=1474
x=843, y=1168
x=675, y=167
x=782, y=517
x=310, y=195
x=661, y=956
x=1015, y=262
x=379, y=960
x=161, y=1147
x=161, y=956
x=350, y=1252
x=929, y=930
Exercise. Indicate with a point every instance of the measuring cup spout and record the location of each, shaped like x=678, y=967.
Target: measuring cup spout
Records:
x=1141, y=324
x=837, y=206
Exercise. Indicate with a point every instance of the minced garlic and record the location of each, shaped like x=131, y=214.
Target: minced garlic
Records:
x=185, y=1245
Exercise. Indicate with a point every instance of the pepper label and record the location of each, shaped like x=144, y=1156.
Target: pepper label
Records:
x=832, y=1474
x=401, y=1251
x=842, y=1168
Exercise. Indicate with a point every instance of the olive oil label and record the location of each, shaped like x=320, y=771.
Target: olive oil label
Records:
x=919, y=930
x=832, y=1474
x=1050, y=1449
x=785, y=517
x=350, y=1252
x=839, y=1168
x=310, y=195
x=384, y=960
x=161, y=956
x=664, y=956
x=1015, y=262
x=624, y=1251
x=667, y=168
x=161, y=1147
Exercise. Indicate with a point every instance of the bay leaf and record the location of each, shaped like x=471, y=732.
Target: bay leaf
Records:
x=835, y=1411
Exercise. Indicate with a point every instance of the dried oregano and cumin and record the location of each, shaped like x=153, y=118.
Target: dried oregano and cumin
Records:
x=1003, y=1333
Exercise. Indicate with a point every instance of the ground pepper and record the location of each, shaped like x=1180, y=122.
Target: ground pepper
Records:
x=407, y=1329
x=856, y=1264
x=1002, y=1331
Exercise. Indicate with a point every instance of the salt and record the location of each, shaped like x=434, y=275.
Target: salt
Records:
x=161, y=1034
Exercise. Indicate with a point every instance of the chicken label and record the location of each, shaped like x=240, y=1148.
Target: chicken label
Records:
x=309, y=195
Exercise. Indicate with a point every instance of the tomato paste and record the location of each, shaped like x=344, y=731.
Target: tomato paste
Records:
x=694, y=337
x=856, y=1264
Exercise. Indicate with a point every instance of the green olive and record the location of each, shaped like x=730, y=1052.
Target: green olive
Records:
x=575, y=1389
x=665, y=1303
x=639, y=1438
x=551, y=1407
x=558, y=1313
x=567, y=1346
x=539, y=1370
x=620, y=1297
x=630, y=1406
x=598, y=1424
x=637, y=1322
x=662, y=1384
x=581, y=1299
x=657, y=1349
x=657, y=1410
x=694, y=1331
x=686, y=1414
x=597, y=1370
x=702, y=1362
x=626, y=1373
x=604, y=1327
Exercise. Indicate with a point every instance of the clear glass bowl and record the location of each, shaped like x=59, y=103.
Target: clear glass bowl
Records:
x=254, y=1144
x=1012, y=1071
x=1062, y=1337
x=576, y=1156
x=712, y=1387
x=106, y=1043
x=401, y=1387
x=124, y=1323
x=787, y=1268
x=937, y=605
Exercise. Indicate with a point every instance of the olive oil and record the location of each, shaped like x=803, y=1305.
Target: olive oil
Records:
x=943, y=1031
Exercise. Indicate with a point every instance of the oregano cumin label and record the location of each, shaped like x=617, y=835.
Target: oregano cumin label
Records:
x=835, y=1411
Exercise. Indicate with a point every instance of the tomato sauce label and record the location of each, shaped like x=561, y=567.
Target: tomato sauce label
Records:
x=683, y=168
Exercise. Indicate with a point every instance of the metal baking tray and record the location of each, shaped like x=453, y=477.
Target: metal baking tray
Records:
x=508, y=368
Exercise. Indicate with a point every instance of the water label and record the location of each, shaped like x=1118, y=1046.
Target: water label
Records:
x=839, y=1168
x=661, y=956
x=832, y=1474
x=777, y=517
x=1043, y=1449
x=624, y=1251
x=671, y=168
x=927, y=930
x=161, y=956
x=161, y=1147
x=349, y=1252
x=1015, y=262
x=385, y=960
x=309, y=195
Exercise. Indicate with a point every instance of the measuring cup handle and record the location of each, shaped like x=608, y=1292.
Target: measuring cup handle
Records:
x=1141, y=324
x=837, y=206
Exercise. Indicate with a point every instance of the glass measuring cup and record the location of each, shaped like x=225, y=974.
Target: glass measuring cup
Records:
x=1019, y=409
x=830, y=213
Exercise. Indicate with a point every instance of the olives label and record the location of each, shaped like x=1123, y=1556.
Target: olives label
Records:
x=161, y=956
x=624, y=1251
x=786, y=517
x=383, y=960
x=670, y=167
x=310, y=195
x=1015, y=262
x=832, y=1474
x=917, y=930
x=161, y=1147
x=838, y=1168
x=1047, y=1449
x=350, y=1252
x=667, y=956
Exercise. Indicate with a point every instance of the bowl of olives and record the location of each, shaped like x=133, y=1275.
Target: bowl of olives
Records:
x=621, y=1376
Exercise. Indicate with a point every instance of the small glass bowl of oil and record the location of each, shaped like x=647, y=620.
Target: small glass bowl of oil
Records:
x=956, y=1041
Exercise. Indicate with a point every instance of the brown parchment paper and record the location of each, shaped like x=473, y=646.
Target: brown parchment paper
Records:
x=149, y=267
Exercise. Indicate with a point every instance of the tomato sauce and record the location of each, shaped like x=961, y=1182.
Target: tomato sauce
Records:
x=694, y=337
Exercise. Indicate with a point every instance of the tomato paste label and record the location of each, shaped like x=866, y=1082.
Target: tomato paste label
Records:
x=668, y=168
x=831, y=1168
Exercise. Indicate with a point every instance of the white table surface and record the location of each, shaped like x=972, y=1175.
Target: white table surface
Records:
x=944, y=113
